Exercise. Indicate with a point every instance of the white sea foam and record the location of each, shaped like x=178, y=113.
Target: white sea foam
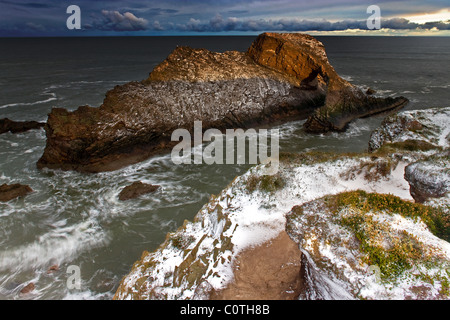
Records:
x=52, y=98
x=59, y=245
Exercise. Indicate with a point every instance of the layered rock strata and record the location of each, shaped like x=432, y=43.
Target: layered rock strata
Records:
x=282, y=77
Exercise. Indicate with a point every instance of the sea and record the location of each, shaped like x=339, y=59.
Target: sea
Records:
x=72, y=238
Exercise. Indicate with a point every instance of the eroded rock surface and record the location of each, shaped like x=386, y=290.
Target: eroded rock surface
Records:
x=429, y=178
x=369, y=246
x=282, y=77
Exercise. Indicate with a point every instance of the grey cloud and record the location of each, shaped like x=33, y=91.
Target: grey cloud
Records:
x=438, y=25
x=158, y=11
x=151, y=11
x=116, y=21
x=35, y=26
x=237, y=12
x=32, y=5
x=218, y=24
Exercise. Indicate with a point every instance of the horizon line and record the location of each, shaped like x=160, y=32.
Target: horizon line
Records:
x=219, y=35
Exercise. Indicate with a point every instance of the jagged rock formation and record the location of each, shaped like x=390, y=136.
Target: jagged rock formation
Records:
x=310, y=67
x=7, y=125
x=424, y=137
x=282, y=77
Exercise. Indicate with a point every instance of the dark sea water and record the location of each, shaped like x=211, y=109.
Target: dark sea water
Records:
x=77, y=219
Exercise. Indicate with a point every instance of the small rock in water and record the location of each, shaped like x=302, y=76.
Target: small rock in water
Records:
x=18, y=126
x=53, y=268
x=136, y=189
x=28, y=288
x=9, y=192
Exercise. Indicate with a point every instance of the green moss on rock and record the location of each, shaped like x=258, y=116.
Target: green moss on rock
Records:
x=434, y=218
x=265, y=183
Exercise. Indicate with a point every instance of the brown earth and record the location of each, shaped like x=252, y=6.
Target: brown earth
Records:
x=268, y=272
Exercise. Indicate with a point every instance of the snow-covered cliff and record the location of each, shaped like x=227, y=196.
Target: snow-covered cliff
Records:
x=359, y=230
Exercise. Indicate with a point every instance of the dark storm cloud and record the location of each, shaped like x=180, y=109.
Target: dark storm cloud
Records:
x=221, y=24
x=210, y=16
x=151, y=11
x=33, y=5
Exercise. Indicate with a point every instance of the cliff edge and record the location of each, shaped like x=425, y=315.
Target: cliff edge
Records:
x=327, y=226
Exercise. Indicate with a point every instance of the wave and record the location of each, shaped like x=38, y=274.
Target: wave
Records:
x=52, y=98
x=348, y=78
x=83, y=82
x=87, y=295
x=60, y=245
x=443, y=86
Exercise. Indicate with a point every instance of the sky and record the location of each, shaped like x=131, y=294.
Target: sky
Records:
x=33, y=18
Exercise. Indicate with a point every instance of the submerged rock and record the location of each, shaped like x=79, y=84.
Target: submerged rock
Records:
x=52, y=269
x=7, y=125
x=282, y=77
x=135, y=190
x=9, y=192
x=28, y=288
